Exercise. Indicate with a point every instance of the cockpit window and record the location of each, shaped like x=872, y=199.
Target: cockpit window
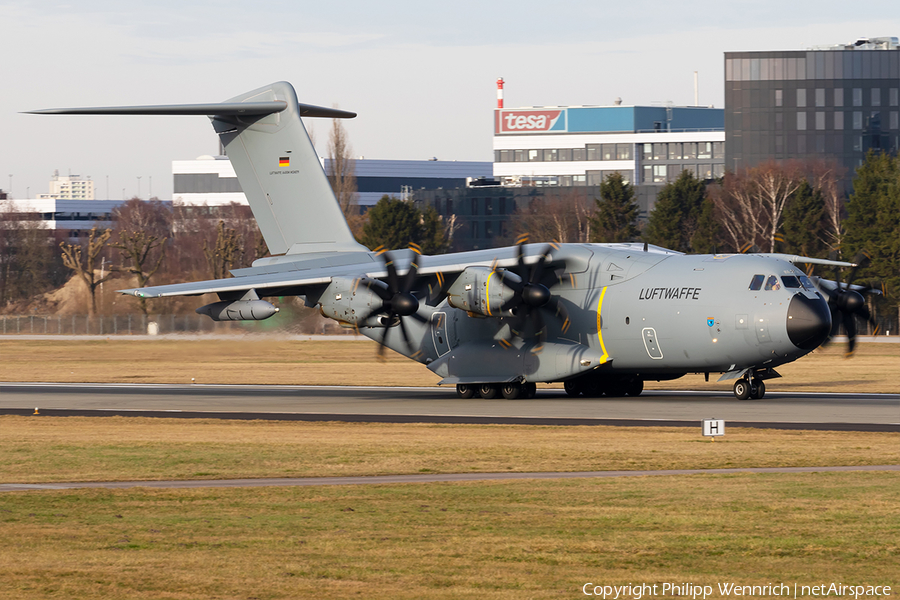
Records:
x=772, y=283
x=790, y=282
x=756, y=282
x=807, y=284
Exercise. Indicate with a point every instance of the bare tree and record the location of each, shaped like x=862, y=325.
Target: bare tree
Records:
x=775, y=183
x=342, y=176
x=563, y=217
x=226, y=252
x=749, y=205
x=73, y=257
x=137, y=248
x=825, y=176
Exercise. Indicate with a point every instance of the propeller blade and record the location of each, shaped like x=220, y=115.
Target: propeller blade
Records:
x=413, y=271
x=837, y=279
x=850, y=328
x=538, y=267
x=418, y=317
x=393, y=281
x=379, y=354
x=405, y=335
x=507, y=280
x=563, y=313
x=371, y=285
x=520, y=255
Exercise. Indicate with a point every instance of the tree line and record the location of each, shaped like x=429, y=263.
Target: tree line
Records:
x=790, y=207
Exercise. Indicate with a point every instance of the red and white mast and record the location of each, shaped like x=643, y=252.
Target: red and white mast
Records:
x=500, y=93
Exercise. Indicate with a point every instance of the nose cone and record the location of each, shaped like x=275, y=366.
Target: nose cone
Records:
x=808, y=322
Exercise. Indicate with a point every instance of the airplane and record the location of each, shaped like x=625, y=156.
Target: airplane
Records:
x=601, y=318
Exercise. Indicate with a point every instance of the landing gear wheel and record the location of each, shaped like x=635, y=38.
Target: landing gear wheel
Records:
x=760, y=391
x=615, y=390
x=592, y=389
x=488, y=391
x=465, y=391
x=530, y=389
x=742, y=389
x=635, y=387
x=573, y=388
x=511, y=391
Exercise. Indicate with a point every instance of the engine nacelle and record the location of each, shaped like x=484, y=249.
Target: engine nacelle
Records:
x=238, y=310
x=480, y=290
x=347, y=299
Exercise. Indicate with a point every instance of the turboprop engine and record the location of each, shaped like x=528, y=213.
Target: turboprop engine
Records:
x=481, y=290
x=351, y=301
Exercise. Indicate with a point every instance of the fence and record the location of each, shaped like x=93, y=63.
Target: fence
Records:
x=138, y=325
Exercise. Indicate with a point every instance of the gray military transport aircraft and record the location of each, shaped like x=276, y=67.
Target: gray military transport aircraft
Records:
x=602, y=318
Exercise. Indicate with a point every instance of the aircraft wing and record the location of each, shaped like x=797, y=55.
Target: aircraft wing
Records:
x=288, y=275
x=226, y=286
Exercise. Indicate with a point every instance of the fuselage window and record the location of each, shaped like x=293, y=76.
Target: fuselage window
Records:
x=790, y=281
x=756, y=282
x=772, y=283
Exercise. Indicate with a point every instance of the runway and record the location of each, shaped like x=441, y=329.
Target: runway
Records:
x=783, y=410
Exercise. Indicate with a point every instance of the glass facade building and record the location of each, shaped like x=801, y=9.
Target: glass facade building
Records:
x=835, y=103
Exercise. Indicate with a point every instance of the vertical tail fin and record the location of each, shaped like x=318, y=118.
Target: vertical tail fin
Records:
x=280, y=173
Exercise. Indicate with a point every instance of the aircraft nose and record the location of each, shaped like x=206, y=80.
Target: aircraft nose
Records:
x=808, y=322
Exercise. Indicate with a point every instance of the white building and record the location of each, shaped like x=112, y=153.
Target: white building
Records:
x=580, y=145
x=69, y=187
x=211, y=180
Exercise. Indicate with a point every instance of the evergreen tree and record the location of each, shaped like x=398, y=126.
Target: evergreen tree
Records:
x=704, y=239
x=394, y=223
x=615, y=219
x=434, y=237
x=804, y=222
x=678, y=218
x=873, y=225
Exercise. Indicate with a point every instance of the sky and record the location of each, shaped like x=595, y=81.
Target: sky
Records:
x=421, y=75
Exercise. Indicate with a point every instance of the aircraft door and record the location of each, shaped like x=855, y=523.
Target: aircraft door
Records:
x=439, y=333
x=651, y=343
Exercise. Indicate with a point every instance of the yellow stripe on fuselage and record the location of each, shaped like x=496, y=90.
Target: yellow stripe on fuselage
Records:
x=487, y=294
x=605, y=356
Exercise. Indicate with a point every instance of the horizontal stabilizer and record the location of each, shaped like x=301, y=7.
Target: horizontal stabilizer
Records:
x=275, y=162
x=231, y=109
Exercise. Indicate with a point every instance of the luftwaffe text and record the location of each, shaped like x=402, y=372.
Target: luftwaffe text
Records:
x=685, y=293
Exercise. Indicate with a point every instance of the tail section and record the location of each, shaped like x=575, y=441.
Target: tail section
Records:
x=275, y=162
x=279, y=171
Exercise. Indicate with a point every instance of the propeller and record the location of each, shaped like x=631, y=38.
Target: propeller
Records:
x=397, y=299
x=847, y=303
x=532, y=295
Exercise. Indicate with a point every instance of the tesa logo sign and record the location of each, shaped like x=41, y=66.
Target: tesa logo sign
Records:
x=529, y=121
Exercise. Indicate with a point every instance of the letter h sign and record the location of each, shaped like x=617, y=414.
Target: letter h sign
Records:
x=713, y=427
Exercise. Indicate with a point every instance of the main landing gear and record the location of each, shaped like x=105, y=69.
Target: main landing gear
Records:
x=753, y=389
x=509, y=390
x=594, y=387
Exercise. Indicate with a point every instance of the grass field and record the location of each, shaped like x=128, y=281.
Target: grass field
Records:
x=511, y=540
x=874, y=368
x=45, y=449
x=494, y=540
x=521, y=539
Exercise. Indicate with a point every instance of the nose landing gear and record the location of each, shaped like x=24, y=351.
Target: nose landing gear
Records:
x=749, y=389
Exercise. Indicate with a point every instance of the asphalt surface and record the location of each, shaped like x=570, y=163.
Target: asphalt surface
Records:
x=858, y=412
